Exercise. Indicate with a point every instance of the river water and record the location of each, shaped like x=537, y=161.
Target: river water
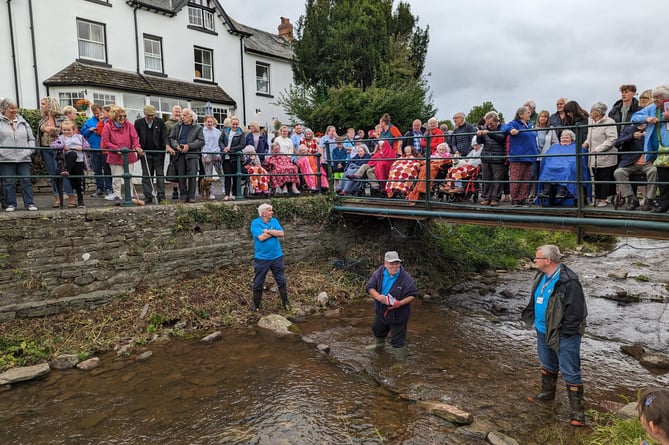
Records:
x=466, y=348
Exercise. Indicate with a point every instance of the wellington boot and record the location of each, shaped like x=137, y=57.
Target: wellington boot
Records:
x=379, y=344
x=575, y=393
x=257, y=298
x=401, y=353
x=548, y=384
x=284, y=297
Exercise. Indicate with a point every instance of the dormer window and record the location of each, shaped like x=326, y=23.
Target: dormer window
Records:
x=201, y=15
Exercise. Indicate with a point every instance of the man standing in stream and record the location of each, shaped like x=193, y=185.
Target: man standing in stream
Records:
x=393, y=289
x=267, y=255
x=557, y=310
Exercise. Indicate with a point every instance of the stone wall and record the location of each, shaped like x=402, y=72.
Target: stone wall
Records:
x=50, y=260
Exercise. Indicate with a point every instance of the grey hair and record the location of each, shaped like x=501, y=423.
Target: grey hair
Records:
x=249, y=150
x=550, y=251
x=193, y=113
x=262, y=208
x=569, y=133
x=662, y=90
x=599, y=107
x=491, y=115
x=531, y=104
x=5, y=103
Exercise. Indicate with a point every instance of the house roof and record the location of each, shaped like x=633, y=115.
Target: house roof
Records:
x=167, y=7
x=81, y=74
x=262, y=42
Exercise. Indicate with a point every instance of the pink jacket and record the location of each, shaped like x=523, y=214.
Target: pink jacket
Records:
x=115, y=138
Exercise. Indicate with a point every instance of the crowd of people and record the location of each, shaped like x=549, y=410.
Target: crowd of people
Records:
x=525, y=161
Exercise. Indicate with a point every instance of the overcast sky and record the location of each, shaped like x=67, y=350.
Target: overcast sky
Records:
x=509, y=51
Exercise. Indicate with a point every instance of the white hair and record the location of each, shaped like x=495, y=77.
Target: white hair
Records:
x=262, y=208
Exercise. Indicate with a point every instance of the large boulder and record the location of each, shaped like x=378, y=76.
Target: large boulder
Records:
x=277, y=324
x=24, y=373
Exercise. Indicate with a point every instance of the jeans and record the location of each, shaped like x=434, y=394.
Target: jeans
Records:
x=49, y=156
x=9, y=171
x=260, y=269
x=567, y=361
x=100, y=168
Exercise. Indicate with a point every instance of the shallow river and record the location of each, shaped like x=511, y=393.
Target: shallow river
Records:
x=467, y=349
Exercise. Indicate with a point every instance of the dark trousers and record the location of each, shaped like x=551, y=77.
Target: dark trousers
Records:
x=663, y=176
x=230, y=172
x=603, y=186
x=398, y=332
x=493, y=177
x=187, y=172
x=102, y=171
x=76, y=170
x=153, y=165
x=260, y=269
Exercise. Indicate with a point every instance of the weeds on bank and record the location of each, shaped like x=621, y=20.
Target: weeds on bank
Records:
x=611, y=430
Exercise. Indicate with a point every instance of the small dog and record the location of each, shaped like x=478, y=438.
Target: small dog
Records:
x=205, y=188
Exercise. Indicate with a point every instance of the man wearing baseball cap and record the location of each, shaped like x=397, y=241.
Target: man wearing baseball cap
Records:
x=394, y=290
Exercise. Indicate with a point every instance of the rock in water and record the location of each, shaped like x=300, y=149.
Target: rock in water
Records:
x=277, y=323
x=24, y=373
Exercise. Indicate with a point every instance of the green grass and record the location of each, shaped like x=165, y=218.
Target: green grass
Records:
x=611, y=430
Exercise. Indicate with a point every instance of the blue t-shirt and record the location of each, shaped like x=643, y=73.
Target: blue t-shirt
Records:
x=269, y=249
x=388, y=282
x=542, y=294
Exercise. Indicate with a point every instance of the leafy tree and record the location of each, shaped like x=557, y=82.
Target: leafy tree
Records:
x=478, y=111
x=355, y=60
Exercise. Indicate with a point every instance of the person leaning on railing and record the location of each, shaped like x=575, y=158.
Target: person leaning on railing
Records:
x=185, y=142
x=493, y=157
x=17, y=145
x=603, y=157
x=117, y=134
x=657, y=138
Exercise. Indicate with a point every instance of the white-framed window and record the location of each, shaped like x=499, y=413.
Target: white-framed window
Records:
x=69, y=98
x=202, y=18
x=153, y=53
x=262, y=78
x=219, y=113
x=91, y=39
x=104, y=99
x=164, y=105
x=204, y=63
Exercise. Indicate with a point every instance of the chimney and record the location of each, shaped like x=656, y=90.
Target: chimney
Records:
x=286, y=29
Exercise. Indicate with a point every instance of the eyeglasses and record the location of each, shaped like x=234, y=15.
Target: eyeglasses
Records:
x=122, y=115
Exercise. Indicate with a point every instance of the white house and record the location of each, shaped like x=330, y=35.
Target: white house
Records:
x=138, y=52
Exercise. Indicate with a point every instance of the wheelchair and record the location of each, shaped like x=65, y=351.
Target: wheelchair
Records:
x=469, y=192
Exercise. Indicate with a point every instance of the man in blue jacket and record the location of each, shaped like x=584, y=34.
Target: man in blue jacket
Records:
x=393, y=290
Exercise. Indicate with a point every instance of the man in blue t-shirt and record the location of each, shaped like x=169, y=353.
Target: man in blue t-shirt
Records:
x=557, y=311
x=267, y=254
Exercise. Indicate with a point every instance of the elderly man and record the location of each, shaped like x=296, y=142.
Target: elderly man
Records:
x=533, y=108
x=657, y=135
x=461, y=138
x=393, y=290
x=557, y=311
x=152, y=133
x=267, y=254
x=414, y=137
x=185, y=144
x=558, y=118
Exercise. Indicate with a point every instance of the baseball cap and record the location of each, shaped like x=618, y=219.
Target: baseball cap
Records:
x=392, y=257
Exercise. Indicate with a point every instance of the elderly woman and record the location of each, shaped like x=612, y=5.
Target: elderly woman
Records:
x=283, y=171
x=657, y=138
x=403, y=173
x=48, y=131
x=231, y=142
x=558, y=172
x=603, y=158
x=257, y=138
x=187, y=139
x=117, y=134
x=434, y=133
x=493, y=157
x=522, y=155
x=258, y=176
x=308, y=165
x=17, y=144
